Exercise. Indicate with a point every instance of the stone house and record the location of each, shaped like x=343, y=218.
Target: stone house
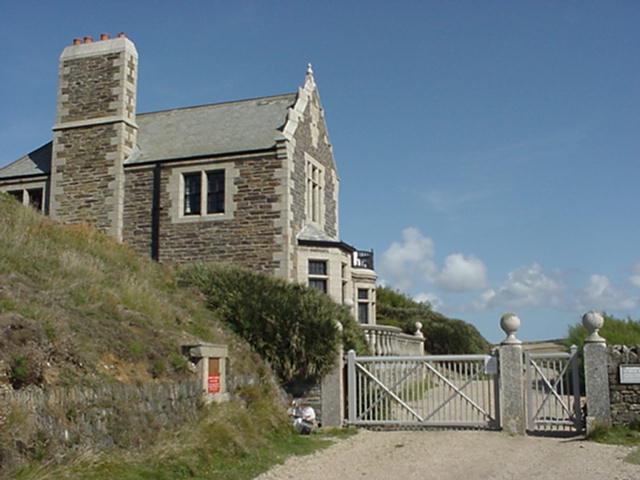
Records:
x=250, y=182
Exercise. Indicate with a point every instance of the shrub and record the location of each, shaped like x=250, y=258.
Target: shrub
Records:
x=442, y=334
x=22, y=372
x=291, y=326
x=616, y=331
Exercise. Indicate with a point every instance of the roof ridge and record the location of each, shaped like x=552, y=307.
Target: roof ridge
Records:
x=218, y=103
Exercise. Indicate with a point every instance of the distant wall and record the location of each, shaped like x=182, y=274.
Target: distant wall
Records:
x=625, y=399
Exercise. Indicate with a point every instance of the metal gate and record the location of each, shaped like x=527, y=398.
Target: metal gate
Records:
x=553, y=392
x=423, y=391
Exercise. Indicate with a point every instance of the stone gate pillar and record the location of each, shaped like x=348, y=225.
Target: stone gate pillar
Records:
x=332, y=390
x=512, y=415
x=596, y=377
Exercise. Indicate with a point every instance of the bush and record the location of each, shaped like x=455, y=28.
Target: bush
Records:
x=291, y=326
x=616, y=331
x=442, y=334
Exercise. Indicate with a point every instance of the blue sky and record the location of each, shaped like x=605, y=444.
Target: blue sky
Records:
x=488, y=151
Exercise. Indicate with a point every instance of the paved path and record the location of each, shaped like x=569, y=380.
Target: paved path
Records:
x=459, y=455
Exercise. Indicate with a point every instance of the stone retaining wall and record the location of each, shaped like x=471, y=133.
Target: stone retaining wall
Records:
x=625, y=399
x=36, y=423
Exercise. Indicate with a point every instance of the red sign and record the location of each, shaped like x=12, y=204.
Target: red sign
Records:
x=214, y=384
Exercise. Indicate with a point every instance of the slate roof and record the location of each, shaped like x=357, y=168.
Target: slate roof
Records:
x=230, y=127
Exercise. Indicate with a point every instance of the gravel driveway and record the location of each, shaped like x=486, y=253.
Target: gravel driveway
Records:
x=466, y=455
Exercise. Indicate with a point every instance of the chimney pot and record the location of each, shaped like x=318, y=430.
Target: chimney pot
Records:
x=77, y=41
x=121, y=35
x=104, y=36
x=88, y=39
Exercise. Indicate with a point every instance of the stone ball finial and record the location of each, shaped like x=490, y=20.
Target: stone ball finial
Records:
x=510, y=323
x=309, y=69
x=593, y=322
x=419, y=330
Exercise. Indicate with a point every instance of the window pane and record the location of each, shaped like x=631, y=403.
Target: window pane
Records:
x=17, y=194
x=215, y=191
x=363, y=312
x=317, y=267
x=192, y=194
x=318, y=284
x=35, y=198
x=363, y=293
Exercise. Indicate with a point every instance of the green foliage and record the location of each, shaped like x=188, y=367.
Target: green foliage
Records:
x=23, y=373
x=616, y=331
x=84, y=309
x=618, y=435
x=442, y=334
x=291, y=326
x=232, y=441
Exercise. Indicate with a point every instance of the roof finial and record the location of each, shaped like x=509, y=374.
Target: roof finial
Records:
x=309, y=69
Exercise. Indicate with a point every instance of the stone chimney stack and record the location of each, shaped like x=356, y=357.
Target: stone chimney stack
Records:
x=95, y=131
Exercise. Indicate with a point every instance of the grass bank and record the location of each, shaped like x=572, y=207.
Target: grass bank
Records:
x=620, y=435
x=234, y=441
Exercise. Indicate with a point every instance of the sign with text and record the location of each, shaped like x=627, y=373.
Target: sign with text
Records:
x=214, y=384
x=629, y=374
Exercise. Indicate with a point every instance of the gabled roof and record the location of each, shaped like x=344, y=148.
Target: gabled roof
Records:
x=211, y=129
x=37, y=162
x=221, y=128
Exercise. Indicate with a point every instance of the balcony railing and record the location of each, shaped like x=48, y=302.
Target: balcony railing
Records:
x=385, y=340
x=363, y=259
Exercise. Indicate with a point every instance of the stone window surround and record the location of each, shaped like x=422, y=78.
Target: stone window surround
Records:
x=325, y=276
x=310, y=203
x=24, y=186
x=176, y=192
x=368, y=301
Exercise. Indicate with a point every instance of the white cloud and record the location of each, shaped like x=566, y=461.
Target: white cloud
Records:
x=409, y=261
x=601, y=294
x=431, y=298
x=635, y=278
x=525, y=287
x=461, y=274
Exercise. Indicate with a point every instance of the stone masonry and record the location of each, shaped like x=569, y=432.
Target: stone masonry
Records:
x=95, y=132
x=248, y=239
x=625, y=399
x=320, y=150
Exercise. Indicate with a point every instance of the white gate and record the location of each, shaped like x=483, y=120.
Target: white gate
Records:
x=423, y=391
x=553, y=392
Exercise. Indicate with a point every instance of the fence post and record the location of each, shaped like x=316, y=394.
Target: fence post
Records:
x=351, y=385
x=575, y=382
x=420, y=335
x=332, y=387
x=596, y=377
x=511, y=392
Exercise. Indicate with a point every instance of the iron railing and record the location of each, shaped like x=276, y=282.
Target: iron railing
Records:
x=363, y=259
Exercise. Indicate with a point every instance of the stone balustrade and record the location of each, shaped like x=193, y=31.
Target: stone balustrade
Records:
x=385, y=340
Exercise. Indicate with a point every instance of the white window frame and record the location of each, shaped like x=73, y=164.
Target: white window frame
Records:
x=314, y=191
x=176, y=187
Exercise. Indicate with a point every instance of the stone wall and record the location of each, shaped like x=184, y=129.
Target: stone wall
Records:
x=625, y=399
x=311, y=137
x=37, y=423
x=94, y=133
x=84, y=178
x=251, y=238
x=138, y=209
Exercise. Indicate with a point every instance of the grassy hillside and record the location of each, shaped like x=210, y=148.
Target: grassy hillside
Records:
x=442, y=334
x=77, y=308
